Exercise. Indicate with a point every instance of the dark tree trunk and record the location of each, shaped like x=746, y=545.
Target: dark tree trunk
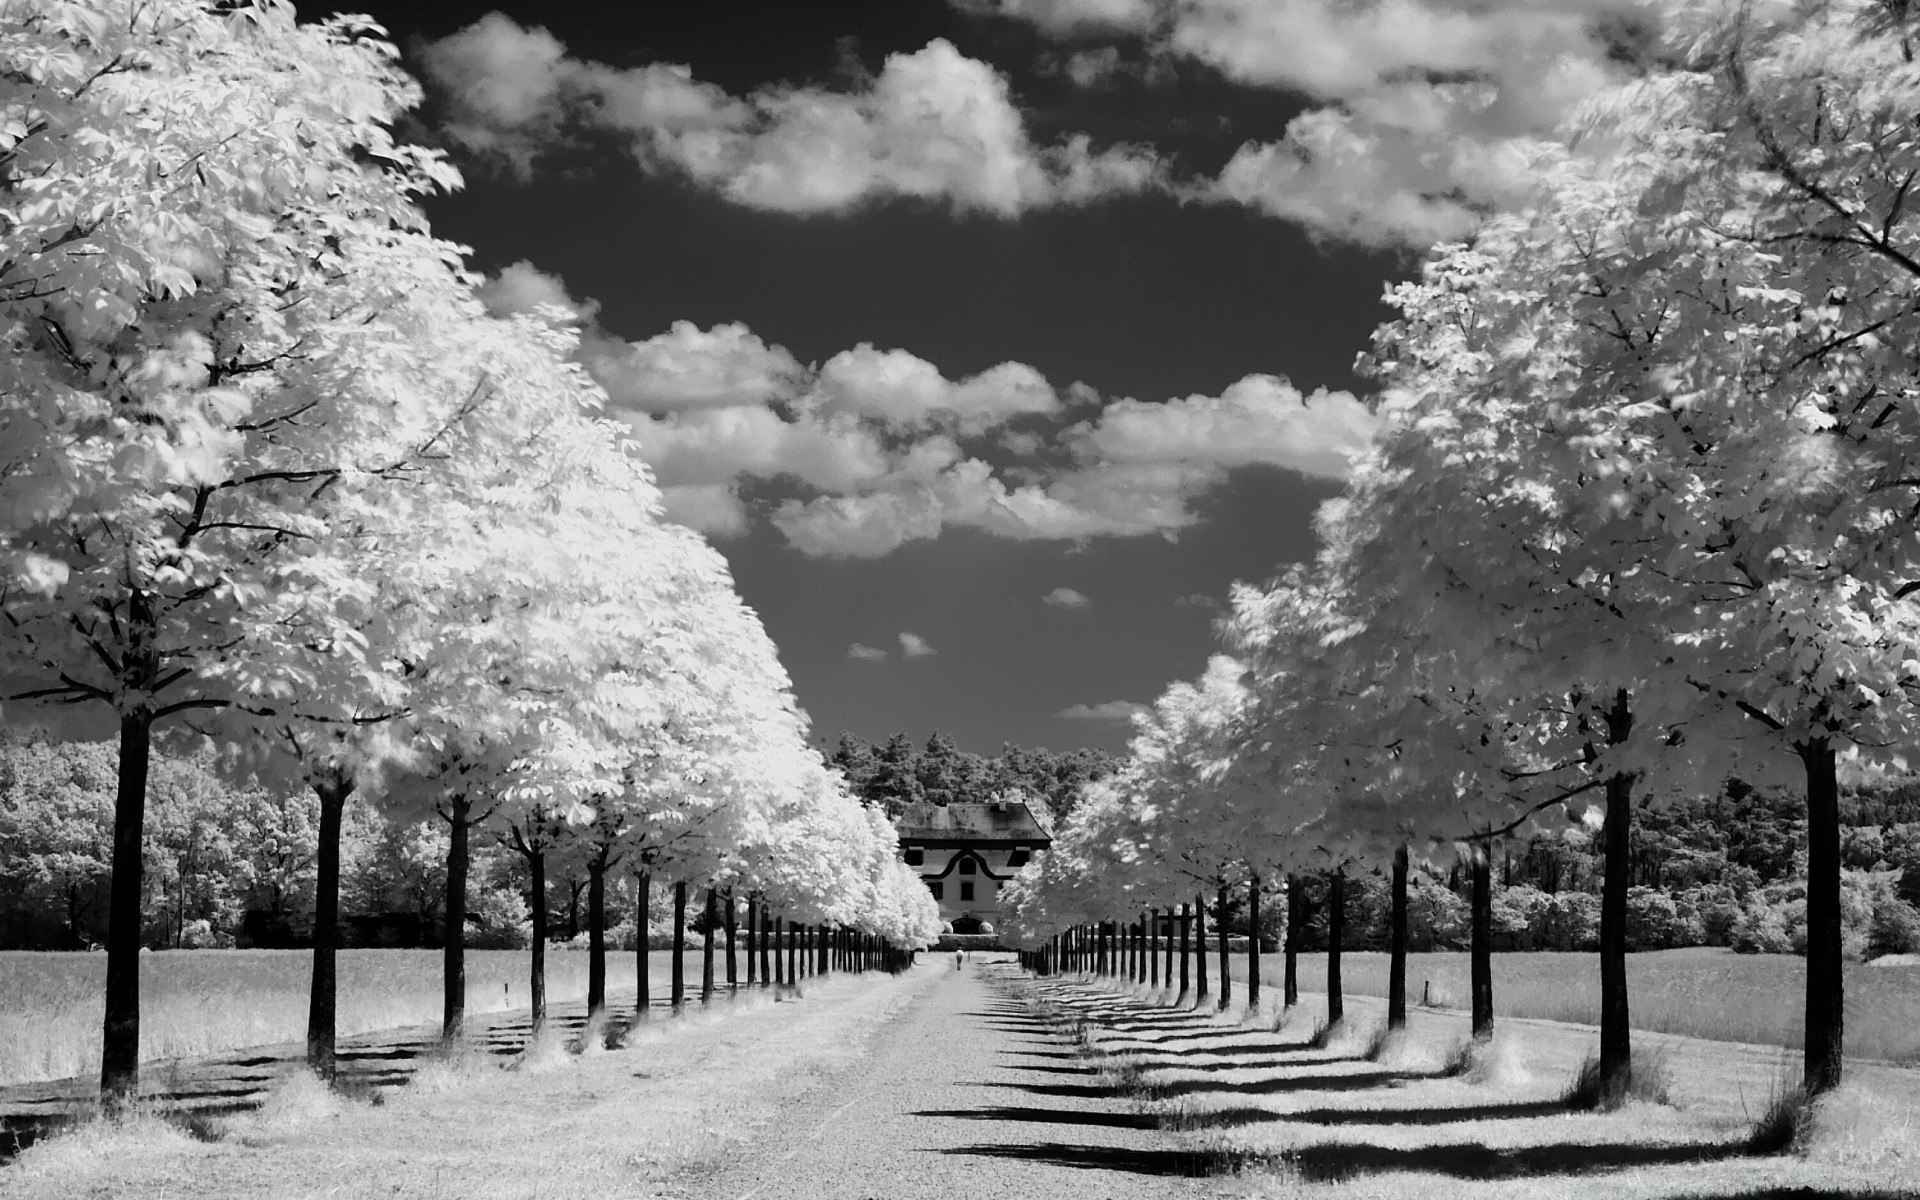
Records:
x=453, y=955
x=1480, y=953
x=793, y=953
x=1616, y=1037
x=1200, y=943
x=733, y=961
x=1226, y=960
x=537, y=957
x=711, y=917
x=753, y=939
x=332, y=789
x=1186, y=949
x=1290, y=967
x=642, y=965
x=679, y=936
x=1826, y=1011
x=1336, y=933
x=766, y=945
x=1153, y=947
x=1172, y=917
x=596, y=938
x=120, y=1033
x=1397, y=962
x=1253, y=942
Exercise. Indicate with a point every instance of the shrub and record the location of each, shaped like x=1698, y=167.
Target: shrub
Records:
x=1570, y=921
x=503, y=921
x=1436, y=917
x=1896, y=928
x=1655, y=921
x=1761, y=928
x=1516, y=914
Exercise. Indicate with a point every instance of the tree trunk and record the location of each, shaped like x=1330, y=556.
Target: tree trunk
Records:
x=1616, y=1037
x=1480, y=954
x=679, y=936
x=1200, y=943
x=537, y=956
x=1172, y=917
x=1336, y=933
x=1290, y=965
x=596, y=938
x=332, y=789
x=1152, y=919
x=1226, y=961
x=1186, y=948
x=453, y=955
x=642, y=965
x=120, y=1033
x=1397, y=962
x=1826, y=1012
x=753, y=940
x=1253, y=942
x=733, y=961
x=711, y=918
x=766, y=945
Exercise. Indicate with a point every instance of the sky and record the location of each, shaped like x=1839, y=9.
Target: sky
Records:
x=990, y=340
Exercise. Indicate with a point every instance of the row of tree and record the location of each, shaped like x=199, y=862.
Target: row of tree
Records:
x=1640, y=515
x=271, y=477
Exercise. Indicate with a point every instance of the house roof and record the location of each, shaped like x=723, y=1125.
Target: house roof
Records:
x=970, y=824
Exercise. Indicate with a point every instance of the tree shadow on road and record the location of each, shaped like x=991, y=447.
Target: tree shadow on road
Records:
x=1047, y=1116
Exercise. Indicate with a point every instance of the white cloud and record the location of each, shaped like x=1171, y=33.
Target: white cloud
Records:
x=912, y=645
x=1112, y=710
x=932, y=125
x=1066, y=597
x=688, y=368
x=523, y=288
x=875, y=440
x=1071, y=16
x=862, y=653
x=1196, y=600
x=1259, y=419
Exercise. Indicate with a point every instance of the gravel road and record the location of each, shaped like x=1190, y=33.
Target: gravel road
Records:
x=964, y=1094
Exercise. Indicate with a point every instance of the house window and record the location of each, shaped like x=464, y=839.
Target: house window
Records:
x=916, y=857
x=966, y=891
x=966, y=866
x=939, y=890
x=1017, y=859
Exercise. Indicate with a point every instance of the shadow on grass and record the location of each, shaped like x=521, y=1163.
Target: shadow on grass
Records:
x=1335, y=1162
x=1187, y=1164
x=1046, y=1116
x=1425, y=1116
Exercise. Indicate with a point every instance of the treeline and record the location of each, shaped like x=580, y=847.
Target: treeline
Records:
x=895, y=773
x=234, y=864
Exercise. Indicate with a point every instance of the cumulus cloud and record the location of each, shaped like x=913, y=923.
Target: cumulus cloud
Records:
x=862, y=653
x=1112, y=710
x=877, y=448
x=1425, y=114
x=1196, y=600
x=1066, y=597
x=912, y=645
x=933, y=125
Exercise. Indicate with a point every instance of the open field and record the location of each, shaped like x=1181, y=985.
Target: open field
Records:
x=1273, y=1114
x=199, y=1002
x=679, y=1098
x=1703, y=993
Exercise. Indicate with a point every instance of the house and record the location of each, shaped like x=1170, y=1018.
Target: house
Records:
x=966, y=852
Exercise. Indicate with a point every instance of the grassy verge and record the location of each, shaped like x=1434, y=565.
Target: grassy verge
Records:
x=681, y=1096
x=1284, y=1109
x=1703, y=993
x=201, y=1002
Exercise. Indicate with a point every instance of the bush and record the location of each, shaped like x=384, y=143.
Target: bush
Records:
x=503, y=921
x=1436, y=917
x=1516, y=914
x=1656, y=921
x=1715, y=907
x=1896, y=928
x=1570, y=921
x=1762, y=928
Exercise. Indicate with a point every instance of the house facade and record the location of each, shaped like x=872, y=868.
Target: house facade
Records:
x=966, y=852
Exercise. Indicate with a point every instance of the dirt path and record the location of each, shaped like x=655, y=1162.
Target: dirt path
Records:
x=964, y=1094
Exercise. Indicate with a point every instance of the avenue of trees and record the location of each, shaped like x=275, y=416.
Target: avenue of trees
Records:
x=273, y=482
x=1640, y=517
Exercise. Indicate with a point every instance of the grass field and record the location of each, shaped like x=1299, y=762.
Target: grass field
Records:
x=685, y=1095
x=196, y=1002
x=1704, y=993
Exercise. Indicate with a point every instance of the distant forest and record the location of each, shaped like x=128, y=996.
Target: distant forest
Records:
x=899, y=772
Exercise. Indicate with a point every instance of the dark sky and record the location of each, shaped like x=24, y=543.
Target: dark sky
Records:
x=1142, y=296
